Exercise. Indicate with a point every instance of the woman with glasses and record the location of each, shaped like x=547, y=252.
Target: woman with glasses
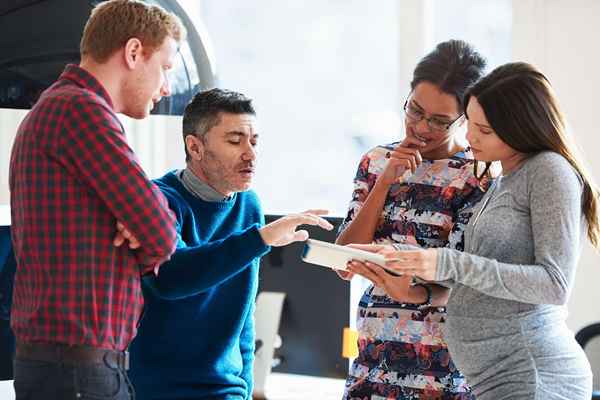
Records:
x=506, y=313
x=411, y=192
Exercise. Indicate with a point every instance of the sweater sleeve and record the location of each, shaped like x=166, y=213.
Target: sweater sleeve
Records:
x=195, y=269
x=555, y=206
x=247, y=346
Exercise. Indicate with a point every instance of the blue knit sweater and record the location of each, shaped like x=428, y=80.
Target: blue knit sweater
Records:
x=196, y=338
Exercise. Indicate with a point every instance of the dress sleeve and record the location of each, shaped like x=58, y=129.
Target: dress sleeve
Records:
x=363, y=183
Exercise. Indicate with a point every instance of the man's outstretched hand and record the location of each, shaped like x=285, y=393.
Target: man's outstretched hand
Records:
x=283, y=231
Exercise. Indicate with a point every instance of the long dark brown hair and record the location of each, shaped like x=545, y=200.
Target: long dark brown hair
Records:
x=520, y=105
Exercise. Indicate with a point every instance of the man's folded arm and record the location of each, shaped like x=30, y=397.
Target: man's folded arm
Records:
x=99, y=155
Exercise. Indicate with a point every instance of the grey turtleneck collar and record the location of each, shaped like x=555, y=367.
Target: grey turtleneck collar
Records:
x=198, y=187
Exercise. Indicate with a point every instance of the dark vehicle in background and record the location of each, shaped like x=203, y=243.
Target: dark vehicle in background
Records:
x=39, y=37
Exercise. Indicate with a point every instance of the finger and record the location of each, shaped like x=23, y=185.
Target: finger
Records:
x=300, y=236
x=404, y=256
x=402, y=152
x=134, y=243
x=413, y=163
x=388, y=250
x=401, y=162
x=406, y=270
x=376, y=270
x=405, y=264
x=323, y=223
x=309, y=219
x=399, y=165
x=120, y=226
x=316, y=211
x=410, y=155
x=397, y=263
x=373, y=248
x=411, y=141
x=359, y=268
x=418, y=158
x=398, y=162
x=344, y=274
x=126, y=234
x=118, y=240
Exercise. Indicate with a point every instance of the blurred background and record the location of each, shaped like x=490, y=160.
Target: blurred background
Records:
x=329, y=79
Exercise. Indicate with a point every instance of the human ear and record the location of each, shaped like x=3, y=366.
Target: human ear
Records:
x=194, y=146
x=132, y=52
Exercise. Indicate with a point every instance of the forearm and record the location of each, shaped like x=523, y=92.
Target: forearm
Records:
x=362, y=228
x=192, y=270
x=535, y=283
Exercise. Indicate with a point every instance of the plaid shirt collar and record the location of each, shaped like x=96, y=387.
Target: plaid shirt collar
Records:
x=84, y=79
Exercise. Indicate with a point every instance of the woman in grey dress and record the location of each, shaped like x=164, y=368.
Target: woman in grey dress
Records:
x=506, y=326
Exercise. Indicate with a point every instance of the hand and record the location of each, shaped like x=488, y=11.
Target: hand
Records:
x=397, y=287
x=283, y=231
x=345, y=275
x=405, y=156
x=421, y=263
x=123, y=235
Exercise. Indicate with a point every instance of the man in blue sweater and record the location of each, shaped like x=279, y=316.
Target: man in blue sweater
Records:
x=196, y=339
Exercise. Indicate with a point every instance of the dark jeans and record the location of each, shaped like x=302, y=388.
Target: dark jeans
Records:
x=41, y=380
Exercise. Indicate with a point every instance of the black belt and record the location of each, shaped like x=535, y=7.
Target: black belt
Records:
x=72, y=355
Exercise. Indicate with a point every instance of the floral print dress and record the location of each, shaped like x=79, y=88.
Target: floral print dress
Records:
x=402, y=353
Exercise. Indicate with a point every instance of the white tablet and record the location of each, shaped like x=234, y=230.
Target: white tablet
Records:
x=336, y=256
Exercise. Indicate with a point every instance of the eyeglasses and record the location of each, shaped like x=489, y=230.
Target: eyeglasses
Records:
x=415, y=115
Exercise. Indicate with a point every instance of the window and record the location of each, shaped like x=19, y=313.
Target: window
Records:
x=328, y=80
x=487, y=24
x=323, y=76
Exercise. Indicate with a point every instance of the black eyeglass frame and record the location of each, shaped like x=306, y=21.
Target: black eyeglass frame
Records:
x=416, y=121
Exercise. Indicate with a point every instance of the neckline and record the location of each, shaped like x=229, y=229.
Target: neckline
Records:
x=191, y=198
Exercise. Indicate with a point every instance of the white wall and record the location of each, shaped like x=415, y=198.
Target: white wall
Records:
x=561, y=38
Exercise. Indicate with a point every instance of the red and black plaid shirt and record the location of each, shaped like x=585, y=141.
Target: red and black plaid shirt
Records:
x=72, y=177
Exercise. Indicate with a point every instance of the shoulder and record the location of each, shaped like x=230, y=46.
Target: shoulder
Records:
x=250, y=199
x=547, y=158
x=170, y=187
x=550, y=166
x=73, y=102
x=83, y=99
x=380, y=151
x=89, y=108
x=250, y=202
x=375, y=160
